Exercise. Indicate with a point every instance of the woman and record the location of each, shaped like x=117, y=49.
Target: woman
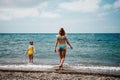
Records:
x=61, y=39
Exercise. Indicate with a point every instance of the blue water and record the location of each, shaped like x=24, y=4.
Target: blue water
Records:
x=88, y=49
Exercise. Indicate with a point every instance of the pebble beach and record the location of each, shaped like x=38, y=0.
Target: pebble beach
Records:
x=12, y=75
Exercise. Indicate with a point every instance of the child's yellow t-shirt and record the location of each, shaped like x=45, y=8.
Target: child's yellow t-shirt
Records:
x=30, y=51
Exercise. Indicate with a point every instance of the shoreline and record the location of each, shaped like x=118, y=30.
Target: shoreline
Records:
x=46, y=75
x=59, y=72
x=48, y=69
x=47, y=72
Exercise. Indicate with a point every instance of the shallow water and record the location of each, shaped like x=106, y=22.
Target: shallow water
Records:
x=88, y=49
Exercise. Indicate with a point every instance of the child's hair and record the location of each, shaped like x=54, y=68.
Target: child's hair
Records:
x=31, y=42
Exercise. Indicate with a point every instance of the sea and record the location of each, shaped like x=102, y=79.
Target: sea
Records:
x=89, y=49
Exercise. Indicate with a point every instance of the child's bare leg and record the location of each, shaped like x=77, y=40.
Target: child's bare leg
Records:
x=32, y=58
x=29, y=58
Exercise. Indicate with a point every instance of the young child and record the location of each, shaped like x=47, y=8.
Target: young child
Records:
x=30, y=51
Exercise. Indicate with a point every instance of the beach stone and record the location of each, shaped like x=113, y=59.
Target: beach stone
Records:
x=51, y=76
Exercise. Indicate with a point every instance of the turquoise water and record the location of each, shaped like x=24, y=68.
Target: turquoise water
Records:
x=88, y=49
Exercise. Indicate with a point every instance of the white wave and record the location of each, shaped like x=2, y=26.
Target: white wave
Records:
x=86, y=69
x=27, y=66
x=96, y=67
x=91, y=67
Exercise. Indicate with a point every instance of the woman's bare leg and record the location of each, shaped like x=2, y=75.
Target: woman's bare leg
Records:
x=63, y=54
x=60, y=56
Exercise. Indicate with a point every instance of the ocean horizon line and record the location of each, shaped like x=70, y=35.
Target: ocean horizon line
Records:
x=55, y=33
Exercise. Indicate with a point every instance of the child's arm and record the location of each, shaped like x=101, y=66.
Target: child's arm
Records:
x=26, y=51
x=34, y=49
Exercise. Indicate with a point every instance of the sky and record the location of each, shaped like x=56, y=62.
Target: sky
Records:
x=48, y=16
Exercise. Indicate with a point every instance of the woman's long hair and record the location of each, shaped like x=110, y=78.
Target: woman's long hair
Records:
x=62, y=32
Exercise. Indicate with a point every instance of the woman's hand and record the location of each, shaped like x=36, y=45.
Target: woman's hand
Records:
x=55, y=50
x=71, y=47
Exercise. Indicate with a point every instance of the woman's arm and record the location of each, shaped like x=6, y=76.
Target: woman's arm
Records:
x=68, y=43
x=56, y=43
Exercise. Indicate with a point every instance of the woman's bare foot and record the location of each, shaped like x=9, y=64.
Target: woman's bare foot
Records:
x=60, y=67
